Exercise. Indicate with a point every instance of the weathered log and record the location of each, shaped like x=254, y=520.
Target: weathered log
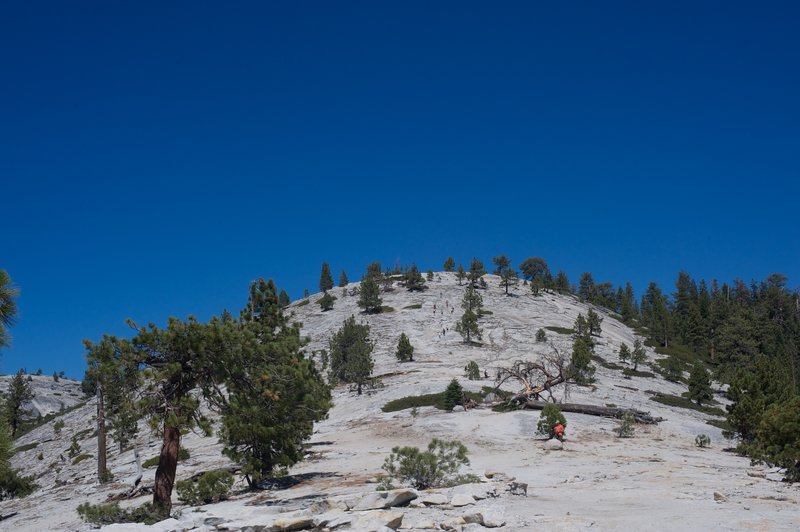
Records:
x=639, y=416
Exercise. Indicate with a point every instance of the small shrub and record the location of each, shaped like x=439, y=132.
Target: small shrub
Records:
x=541, y=336
x=472, y=371
x=107, y=476
x=212, y=487
x=415, y=306
x=303, y=303
x=57, y=426
x=436, y=467
x=40, y=456
x=702, y=440
x=74, y=448
x=414, y=412
x=550, y=417
x=625, y=428
x=561, y=330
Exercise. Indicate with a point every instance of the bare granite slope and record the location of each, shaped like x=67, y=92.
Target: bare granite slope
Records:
x=658, y=480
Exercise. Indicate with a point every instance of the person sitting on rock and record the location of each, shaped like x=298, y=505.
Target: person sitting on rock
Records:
x=558, y=431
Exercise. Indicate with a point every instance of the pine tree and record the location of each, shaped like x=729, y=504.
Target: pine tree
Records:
x=275, y=394
x=369, y=297
x=586, y=289
x=11, y=484
x=508, y=277
x=413, y=279
x=472, y=300
x=325, y=278
x=449, y=264
x=581, y=328
x=351, y=353
x=405, y=351
x=472, y=371
x=8, y=307
x=476, y=271
x=561, y=284
x=453, y=395
x=537, y=273
x=699, y=384
x=656, y=315
x=593, y=321
x=673, y=371
x=467, y=326
x=541, y=336
x=638, y=355
x=778, y=438
x=19, y=392
x=283, y=298
x=460, y=274
x=624, y=353
x=752, y=390
x=581, y=369
x=343, y=280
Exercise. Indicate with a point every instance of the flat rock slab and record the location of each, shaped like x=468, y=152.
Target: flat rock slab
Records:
x=478, y=491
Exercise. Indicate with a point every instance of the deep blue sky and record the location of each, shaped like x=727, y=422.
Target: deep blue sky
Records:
x=155, y=157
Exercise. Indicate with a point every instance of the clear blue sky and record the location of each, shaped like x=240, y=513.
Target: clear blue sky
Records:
x=155, y=157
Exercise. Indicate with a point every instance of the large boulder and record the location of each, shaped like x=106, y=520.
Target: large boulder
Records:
x=386, y=499
x=478, y=491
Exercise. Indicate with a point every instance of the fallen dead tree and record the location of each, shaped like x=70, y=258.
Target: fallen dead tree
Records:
x=639, y=416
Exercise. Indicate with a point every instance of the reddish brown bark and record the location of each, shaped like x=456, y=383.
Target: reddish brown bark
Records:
x=165, y=474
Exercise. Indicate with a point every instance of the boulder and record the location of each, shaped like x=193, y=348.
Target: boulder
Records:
x=434, y=499
x=332, y=519
x=553, y=445
x=386, y=499
x=493, y=517
x=719, y=497
x=458, y=408
x=490, y=398
x=757, y=474
x=286, y=524
x=378, y=520
x=462, y=499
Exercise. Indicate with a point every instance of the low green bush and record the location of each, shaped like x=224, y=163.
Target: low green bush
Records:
x=436, y=467
x=416, y=306
x=212, y=487
x=80, y=458
x=702, y=440
x=682, y=402
x=625, y=428
x=560, y=330
x=26, y=447
x=109, y=513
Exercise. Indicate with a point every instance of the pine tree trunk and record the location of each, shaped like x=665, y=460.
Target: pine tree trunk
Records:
x=101, y=433
x=165, y=474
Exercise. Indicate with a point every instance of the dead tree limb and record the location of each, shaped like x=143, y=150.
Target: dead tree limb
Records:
x=593, y=410
x=536, y=377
